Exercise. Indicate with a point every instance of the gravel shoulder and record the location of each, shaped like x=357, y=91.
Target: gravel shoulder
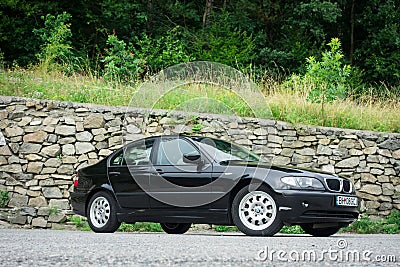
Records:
x=23, y=247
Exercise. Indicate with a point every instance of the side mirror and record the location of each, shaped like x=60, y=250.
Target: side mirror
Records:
x=192, y=158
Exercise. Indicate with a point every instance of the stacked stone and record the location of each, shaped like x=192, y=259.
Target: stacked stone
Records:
x=43, y=143
x=41, y=147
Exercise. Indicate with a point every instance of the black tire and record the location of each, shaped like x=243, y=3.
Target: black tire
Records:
x=175, y=228
x=257, y=207
x=101, y=213
x=320, y=232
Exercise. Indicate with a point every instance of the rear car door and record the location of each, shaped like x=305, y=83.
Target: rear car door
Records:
x=129, y=171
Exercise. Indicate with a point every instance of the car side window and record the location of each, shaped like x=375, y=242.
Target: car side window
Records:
x=138, y=153
x=117, y=159
x=171, y=151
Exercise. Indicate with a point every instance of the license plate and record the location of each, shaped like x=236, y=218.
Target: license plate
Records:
x=346, y=201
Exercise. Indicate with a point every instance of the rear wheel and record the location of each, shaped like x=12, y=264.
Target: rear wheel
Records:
x=255, y=212
x=101, y=213
x=326, y=231
x=175, y=228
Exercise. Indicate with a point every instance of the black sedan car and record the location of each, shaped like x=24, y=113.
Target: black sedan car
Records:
x=181, y=180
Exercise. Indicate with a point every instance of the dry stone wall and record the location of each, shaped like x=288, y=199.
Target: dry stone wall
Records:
x=43, y=143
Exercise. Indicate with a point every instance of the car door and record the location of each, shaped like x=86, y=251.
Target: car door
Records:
x=129, y=171
x=177, y=183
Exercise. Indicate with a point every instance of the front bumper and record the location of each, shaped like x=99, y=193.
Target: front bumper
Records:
x=296, y=207
x=78, y=203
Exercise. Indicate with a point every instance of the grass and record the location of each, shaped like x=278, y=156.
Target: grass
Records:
x=3, y=198
x=293, y=230
x=80, y=223
x=140, y=227
x=364, y=225
x=364, y=113
x=57, y=86
x=283, y=101
x=224, y=228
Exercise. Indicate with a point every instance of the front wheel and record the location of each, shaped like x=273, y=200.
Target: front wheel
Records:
x=175, y=228
x=255, y=213
x=101, y=213
x=320, y=232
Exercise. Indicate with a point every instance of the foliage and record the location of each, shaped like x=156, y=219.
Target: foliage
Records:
x=328, y=76
x=140, y=227
x=272, y=35
x=80, y=222
x=1, y=61
x=167, y=50
x=222, y=42
x=131, y=62
x=224, y=228
x=3, y=198
x=379, y=51
x=287, y=101
x=388, y=225
x=364, y=225
x=196, y=128
x=306, y=26
x=311, y=19
x=293, y=230
x=53, y=210
x=120, y=64
x=56, y=45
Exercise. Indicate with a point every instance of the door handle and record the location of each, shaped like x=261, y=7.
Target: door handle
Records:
x=159, y=171
x=114, y=173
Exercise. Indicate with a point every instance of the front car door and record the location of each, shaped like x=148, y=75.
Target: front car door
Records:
x=178, y=183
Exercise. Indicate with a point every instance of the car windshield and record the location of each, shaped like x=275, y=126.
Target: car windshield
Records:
x=222, y=151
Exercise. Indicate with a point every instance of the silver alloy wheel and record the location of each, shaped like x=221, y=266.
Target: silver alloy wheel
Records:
x=257, y=210
x=100, y=212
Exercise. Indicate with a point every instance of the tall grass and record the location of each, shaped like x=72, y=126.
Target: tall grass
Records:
x=365, y=112
x=284, y=101
x=55, y=85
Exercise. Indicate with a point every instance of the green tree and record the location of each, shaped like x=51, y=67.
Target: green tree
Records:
x=328, y=76
x=222, y=42
x=120, y=64
x=166, y=50
x=56, y=43
x=18, y=18
x=378, y=52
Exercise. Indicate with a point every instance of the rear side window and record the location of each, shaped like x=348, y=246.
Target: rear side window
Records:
x=138, y=153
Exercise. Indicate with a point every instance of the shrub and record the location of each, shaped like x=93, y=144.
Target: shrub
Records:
x=223, y=43
x=165, y=51
x=55, y=35
x=328, y=76
x=120, y=64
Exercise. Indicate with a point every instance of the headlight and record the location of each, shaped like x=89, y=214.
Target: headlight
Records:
x=303, y=182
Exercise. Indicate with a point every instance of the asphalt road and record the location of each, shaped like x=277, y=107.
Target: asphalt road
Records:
x=21, y=247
